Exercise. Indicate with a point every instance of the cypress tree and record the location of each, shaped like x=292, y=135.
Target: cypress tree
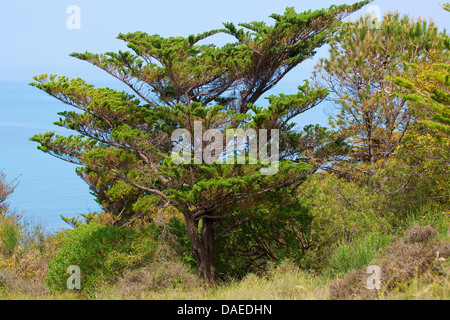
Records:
x=175, y=81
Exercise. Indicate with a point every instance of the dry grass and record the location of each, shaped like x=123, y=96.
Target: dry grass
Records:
x=10, y=282
x=158, y=276
x=413, y=260
x=285, y=282
x=414, y=266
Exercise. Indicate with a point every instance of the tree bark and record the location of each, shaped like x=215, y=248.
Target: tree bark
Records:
x=203, y=246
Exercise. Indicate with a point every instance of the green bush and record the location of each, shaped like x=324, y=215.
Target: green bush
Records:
x=358, y=254
x=437, y=216
x=273, y=235
x=328, y=211
x=101, y=252
x=342, y=212
x=10, y=233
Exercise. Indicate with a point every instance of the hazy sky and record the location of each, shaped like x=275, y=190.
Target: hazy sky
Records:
x=35, y=38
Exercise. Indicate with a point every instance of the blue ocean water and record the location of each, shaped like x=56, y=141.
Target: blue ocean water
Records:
x=47, y=187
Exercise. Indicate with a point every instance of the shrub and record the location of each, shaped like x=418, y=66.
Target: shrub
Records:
x=94, y=249
x=283, y=232
x=103, y=253
x=357, y=254
x=409, y=256
x=157, y=276
x=434, y=215
x=10, y=282
x=341, y=212
x=10, y=233
x=6, y=189
x=328, y=210
x=406, y=258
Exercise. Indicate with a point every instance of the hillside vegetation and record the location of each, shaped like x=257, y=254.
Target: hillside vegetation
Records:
x=359, y=210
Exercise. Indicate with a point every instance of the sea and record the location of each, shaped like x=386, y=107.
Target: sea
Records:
x=46, y=187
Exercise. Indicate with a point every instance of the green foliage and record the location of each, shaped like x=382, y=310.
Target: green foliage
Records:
x=357, y=254
x=11, y=232
x=181, y=244
x=271, y=236
x=124, y=141
x=391, y=85
x=342, y=210
x=437, y=216
x=429, y=90
x=421, y=164
x=373, y=118
x=418, y=174
x=328, y=210
x=391, y=147
x=101, y=252
x=116, y=197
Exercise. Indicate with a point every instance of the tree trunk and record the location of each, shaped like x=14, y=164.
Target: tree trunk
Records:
x=203, y=247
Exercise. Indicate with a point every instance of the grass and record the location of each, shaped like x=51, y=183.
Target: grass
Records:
x=427, y=287
x=414, y=261
x=357, y=254
x=284, y=282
